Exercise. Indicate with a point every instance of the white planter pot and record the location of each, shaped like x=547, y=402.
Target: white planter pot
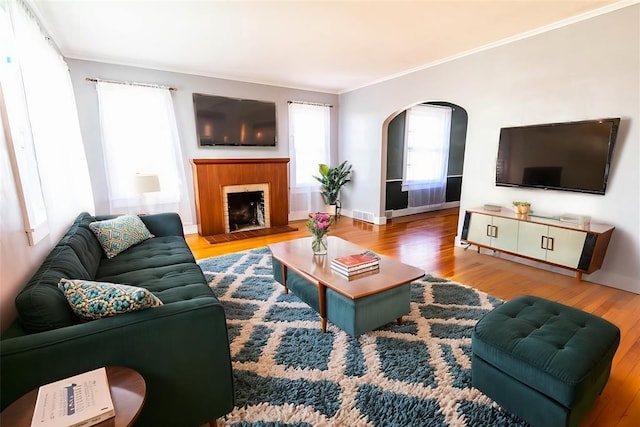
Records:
x=330, y=209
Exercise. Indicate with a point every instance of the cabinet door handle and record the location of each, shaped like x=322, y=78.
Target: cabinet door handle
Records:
x=495, y=231
x=550, y=243
x=543, y=242
x=489, y=226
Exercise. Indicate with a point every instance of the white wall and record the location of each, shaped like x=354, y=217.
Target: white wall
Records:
x=587, y=70
x=187, y=85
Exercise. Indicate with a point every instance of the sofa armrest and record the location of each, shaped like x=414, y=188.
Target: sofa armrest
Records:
x=181, y=349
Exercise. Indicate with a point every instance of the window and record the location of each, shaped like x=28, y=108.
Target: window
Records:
x=40, y=124
x=309, y=139
x=15, y=120
x=426, y=154
x=143, y=158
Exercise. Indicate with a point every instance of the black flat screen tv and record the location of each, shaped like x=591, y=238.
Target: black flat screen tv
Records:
x=571, y=156
x=237, y=122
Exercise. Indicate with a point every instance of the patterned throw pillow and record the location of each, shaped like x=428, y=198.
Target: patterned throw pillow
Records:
x=95, y=300
x=118, y=234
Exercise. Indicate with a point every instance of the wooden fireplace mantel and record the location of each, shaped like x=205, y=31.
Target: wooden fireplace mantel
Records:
x=211, y=175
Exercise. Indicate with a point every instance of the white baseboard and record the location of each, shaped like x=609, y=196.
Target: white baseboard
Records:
x=421, y=209
x=190, y=228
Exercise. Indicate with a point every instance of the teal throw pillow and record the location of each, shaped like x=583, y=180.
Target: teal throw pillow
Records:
x=95, y=300
x=118, y=234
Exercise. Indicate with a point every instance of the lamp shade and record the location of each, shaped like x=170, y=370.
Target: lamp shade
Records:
x=146, y=183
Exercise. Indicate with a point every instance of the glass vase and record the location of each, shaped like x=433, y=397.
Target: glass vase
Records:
x=319, y=245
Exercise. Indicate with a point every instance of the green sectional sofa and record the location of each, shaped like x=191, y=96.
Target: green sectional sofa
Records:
x=180, y=348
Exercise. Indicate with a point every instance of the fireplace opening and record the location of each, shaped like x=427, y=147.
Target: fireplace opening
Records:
x=246, y=210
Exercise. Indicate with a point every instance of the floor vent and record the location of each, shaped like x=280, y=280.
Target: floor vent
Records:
x=363, y=216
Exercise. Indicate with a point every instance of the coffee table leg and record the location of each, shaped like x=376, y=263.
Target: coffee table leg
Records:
x=322, y=291
x=283, y=268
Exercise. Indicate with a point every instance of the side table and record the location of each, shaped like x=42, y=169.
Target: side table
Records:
x=128, y=392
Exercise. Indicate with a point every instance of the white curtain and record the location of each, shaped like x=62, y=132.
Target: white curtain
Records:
x=141, y=145
x=426, y=154
x=309, y=142
x=45, y=131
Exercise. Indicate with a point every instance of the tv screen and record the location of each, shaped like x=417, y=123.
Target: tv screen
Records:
x=573, y=156
x=231, y=121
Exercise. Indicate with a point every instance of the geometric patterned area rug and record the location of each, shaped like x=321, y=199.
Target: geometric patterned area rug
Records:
x=288, y=373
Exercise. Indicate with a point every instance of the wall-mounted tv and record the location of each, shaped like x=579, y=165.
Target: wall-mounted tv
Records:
x=231, y=121
x=572, y=156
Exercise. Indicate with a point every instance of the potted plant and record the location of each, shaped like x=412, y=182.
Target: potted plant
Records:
x=521, y=208
x=331, y=181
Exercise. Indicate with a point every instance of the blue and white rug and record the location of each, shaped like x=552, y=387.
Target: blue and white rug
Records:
x=288, y=373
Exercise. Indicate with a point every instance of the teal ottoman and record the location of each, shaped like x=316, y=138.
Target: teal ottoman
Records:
x=355, y=317
x=541, y=360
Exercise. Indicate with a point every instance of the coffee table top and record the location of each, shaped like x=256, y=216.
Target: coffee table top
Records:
x=297, y=255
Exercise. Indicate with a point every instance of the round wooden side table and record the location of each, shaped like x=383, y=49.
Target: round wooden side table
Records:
x=128, y=392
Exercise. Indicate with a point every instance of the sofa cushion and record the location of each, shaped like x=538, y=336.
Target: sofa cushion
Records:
x=118, y=234
x=94, y=300
x=85, y=244
x=40, y=304
x=82, y=220
x=170, y=283
x=156, y=252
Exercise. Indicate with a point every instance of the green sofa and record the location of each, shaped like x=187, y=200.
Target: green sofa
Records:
x=180, y=348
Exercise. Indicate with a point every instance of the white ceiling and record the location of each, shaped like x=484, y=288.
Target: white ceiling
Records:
x=328, y=46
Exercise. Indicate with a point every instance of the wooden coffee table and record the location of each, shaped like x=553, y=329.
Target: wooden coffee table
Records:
x=128, y=391
x=356, y=304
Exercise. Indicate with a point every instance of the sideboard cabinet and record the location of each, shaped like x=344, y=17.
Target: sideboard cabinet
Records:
x=548, y=240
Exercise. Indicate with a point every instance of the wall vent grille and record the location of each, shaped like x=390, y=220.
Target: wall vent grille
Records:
x=363, y=216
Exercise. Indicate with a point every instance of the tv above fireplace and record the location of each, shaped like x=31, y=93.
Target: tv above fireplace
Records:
x=571, y=156
x=223, y=121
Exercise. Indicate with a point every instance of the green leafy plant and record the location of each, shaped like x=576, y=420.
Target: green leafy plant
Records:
x=332, y=180
x=521, y=207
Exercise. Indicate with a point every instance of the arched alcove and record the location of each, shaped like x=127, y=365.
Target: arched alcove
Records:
x=395, y=201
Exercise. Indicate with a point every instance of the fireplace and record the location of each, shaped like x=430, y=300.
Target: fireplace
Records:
x=245, y=207
x=213, y=179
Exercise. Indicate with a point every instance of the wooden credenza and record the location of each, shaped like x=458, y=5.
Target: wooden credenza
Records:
x=547, y=240
x=211, y=175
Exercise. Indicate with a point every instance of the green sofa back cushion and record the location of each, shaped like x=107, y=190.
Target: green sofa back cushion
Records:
x=86, y=246
x=82, y=220
x=41, y=305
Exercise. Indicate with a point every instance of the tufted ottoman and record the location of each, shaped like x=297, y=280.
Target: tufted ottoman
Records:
x=541, y=360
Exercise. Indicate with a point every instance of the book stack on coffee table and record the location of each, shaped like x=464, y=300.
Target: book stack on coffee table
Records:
x=351, y=265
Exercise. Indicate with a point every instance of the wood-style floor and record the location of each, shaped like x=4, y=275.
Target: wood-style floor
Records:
x=428, y=241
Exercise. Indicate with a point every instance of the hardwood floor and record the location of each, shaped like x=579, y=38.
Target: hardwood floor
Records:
x=428, y=241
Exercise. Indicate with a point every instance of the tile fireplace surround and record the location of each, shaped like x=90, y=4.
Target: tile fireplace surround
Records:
x=211, y=176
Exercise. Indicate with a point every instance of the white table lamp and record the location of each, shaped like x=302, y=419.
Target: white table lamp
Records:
x=146, y=183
